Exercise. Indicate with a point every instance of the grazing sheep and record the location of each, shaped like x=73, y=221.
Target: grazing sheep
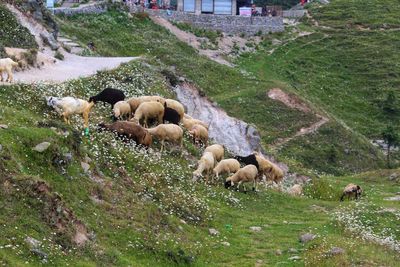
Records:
x=217, y=150
x=226, y=166
x=296, y=190
x=136, y=101
x=129, y=130
x=108, y=95
x=7, y=65
x=351, y=190
x=205, y=164
x=248, y=160
x=246, y=174
x=122, y=109
x=189, y=122
x=199, y=133
x=171, y=115
x=68, y=106
x=167, y=132
x=171, y=103
x=149, y=110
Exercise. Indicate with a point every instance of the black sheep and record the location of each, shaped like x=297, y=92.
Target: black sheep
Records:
x=108, y=95
x=250, y=159
x=171, y=115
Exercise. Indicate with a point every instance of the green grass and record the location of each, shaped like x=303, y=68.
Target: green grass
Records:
x=241, y=95
x=12, y=34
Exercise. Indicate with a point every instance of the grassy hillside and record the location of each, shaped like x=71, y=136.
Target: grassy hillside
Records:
x=347, y=65
x=240, y=94
x=12, y=34
x=141, y=208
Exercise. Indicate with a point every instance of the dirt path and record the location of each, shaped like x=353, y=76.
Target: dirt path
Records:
x=295, y=103
x=71, y=67
x=191, y=40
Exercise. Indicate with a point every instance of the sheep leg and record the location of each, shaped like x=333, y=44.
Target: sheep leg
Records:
x=162, y=145
x=238, y=187
x=1, y=76
x=85, y=119
x=10, y=77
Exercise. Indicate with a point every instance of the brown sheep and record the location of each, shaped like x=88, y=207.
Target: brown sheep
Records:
x=129, y=130
x=351, y=190
x=199, y=133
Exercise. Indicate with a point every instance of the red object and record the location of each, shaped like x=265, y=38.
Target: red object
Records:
x=302, y=2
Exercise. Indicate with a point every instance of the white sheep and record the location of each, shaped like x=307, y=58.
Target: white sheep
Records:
x=135, y=102
x=205, y=164
x=226, y=166
x=149, y=110
x=199, y=133
x=167, y=132
x=7, y=65
x=296, y=190
x=171, y=103
x=246, y=174
x=122, y=109
x=188, y=122
x=217, y=150
x=68, y=106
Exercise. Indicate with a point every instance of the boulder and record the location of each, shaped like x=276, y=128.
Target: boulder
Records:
x=42, y=147
x=85, y=167
x=213, y=232
x=335, y=251
x=32, y=242
x=49, y=40
x=3, y=126
x=255, y=228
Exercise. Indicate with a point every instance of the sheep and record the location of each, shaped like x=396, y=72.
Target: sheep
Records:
x=350, y=190
x=246, y=174
x=108, y=95
x=217, y=150
x=68, y=106
x=122, y=109
x=296, y=190
x=167, y=132
x=129, y=130
x=226, y=166
x=7, y=65
x=250, y=159
x=188, y=122
x=148, y=110
x=205, y=164
x=199, y=133
x=171, y=115
x=171, y=103
x=136, y=101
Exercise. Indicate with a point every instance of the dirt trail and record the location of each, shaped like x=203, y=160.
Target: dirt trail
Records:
x=72, y=67
x=191, y=40
x=295, y=103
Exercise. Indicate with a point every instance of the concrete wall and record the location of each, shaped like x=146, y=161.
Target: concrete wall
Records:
x=96, y=8
x=294, y=13
x=224, y=23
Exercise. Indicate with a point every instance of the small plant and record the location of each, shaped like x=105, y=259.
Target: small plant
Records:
x=58, y=55
x=320, y=188
x=141, y=16
x=31, y=56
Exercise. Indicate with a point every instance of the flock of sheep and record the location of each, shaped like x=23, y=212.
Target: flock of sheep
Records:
x=133, y=116
x=140, y=112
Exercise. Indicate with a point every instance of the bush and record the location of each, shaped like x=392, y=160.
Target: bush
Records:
x=320, y=188
x=31, y=56
x=59, y=56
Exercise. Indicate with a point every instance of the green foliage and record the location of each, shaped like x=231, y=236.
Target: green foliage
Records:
x=212, y=36
x=12, y=34
x=322, y=188
x=286, y=4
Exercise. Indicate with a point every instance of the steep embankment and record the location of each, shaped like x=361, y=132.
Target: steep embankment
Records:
x=345, y=65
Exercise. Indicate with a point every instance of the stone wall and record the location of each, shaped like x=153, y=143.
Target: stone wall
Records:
x=224, y=23
x=96, y=8
x=294, y=13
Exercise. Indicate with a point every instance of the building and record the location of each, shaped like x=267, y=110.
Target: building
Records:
x=218, y=7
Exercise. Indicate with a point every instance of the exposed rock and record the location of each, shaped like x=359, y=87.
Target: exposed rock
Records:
x=276, y=42
x=42, y=147
x=335, y=251
x=394, y=176
x=278, y=252
x=307, y=238
x=296, y=190
x=213, y=232
x=183, y=221
x=293, y=250
x=295, y=258
x=85, y=167
x=3, y=126
x=396, y=198
x=317, y=208
x=32, y=242
x=255, y=228
x=68, y=157
x=49, y=40
x=226, y=244
x=87, y=159
x=39, y=253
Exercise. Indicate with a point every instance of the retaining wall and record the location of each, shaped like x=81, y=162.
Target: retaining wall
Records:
x=96, y=8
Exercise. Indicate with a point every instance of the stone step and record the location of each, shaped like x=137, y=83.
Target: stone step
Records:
x=71, y=44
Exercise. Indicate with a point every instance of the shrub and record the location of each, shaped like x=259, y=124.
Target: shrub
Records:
x=58, y=55
x=320, y=188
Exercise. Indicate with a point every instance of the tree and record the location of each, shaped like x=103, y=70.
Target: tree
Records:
x=392, y=139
